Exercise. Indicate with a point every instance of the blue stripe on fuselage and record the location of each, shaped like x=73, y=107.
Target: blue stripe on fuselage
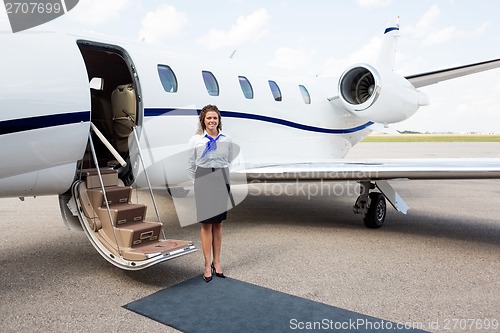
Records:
x=231, y=114
x=32, y=123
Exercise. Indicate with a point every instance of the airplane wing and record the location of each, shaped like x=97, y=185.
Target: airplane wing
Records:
x=425, y=79
x=449, y=168
x=371, y=174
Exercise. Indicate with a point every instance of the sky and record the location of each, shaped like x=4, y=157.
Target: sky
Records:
x=323, y=37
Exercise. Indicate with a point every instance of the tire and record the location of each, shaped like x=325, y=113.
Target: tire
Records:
x=375, y=216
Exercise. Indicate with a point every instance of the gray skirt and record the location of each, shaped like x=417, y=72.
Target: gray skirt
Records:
x=211, y=189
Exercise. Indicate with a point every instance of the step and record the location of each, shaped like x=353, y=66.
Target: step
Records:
x=164, y=247
x=91, y=177
x=115, y=195
x=132, y=242
x=136, y=234
x=122, y=214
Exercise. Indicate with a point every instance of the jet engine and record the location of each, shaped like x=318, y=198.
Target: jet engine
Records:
x=379, y=95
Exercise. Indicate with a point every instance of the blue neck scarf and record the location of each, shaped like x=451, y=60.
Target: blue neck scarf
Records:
x=211, y=144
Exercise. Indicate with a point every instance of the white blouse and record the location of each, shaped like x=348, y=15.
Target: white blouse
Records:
x=221, y=157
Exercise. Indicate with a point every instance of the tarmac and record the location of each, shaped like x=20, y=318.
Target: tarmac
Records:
x=436, y=268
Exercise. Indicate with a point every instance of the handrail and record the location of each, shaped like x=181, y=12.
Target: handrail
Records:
x=94, y=156
x=108, y=145
x=147, y=178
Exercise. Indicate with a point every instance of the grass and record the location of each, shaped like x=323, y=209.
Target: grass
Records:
x=433, y=138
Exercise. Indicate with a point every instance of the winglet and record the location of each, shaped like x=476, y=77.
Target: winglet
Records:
x=387, y=52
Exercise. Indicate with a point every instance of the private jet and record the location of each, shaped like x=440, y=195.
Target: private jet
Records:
x=90, y=118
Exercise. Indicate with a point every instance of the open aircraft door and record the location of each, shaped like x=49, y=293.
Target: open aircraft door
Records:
x=114, y=219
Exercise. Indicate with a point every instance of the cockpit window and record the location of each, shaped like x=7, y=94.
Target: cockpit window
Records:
x=210, y=83
x=275, y=90
x=167, y=78
x=246, y=87
x=305, y=94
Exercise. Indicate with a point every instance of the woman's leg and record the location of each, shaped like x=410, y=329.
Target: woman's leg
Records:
x=217, y=245
x=206, y=244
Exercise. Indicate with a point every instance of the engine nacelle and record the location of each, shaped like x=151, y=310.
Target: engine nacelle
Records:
x=379, y=95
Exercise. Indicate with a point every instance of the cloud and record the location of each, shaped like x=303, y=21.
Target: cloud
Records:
x=97, y=11
x=247, y=29
x=441, y=36
x=451, y=33
x=161, y=24
x=427, y=22
x=291, y=59
x=373, y=3
x=428, y=31
x=366, y=54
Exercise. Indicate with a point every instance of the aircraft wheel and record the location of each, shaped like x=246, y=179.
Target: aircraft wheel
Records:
x=376, y=213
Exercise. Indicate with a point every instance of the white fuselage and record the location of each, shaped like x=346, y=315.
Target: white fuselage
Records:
x=45, y=111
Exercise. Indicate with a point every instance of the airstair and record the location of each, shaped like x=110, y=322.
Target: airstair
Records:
x=116, y=226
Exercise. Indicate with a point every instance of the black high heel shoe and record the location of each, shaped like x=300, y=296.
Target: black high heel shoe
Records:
x=221, y=275
x=207, y=279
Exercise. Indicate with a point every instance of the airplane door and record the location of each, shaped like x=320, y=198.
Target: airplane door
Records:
x=44, y=113
x=116, y=100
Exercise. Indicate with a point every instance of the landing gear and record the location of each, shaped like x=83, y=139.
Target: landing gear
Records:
x=371, y=205
x=375, y=216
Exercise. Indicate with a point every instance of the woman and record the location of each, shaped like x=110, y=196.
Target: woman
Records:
x=208, y=166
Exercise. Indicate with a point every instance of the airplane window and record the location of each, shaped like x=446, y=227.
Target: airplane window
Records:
x=167, y=78
x=305, y=94
x=97, y=83
x=246, y=87
x=210, y=83
x=275, y=90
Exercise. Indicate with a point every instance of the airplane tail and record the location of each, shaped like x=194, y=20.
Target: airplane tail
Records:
x=387, y=51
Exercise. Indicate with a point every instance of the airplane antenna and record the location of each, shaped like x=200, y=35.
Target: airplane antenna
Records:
x=232, y=54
